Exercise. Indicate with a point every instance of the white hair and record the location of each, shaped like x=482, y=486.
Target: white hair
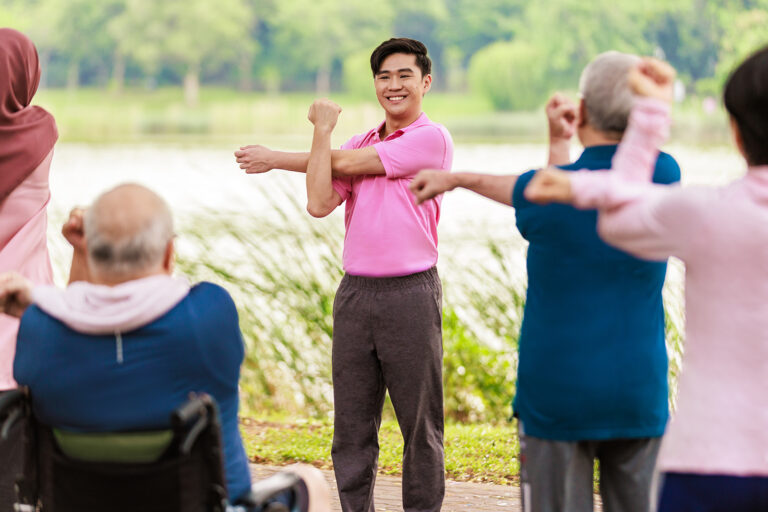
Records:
x=604, y=89
x=128, y=253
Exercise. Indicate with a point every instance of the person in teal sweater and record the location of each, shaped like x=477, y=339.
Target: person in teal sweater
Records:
x=592, y=371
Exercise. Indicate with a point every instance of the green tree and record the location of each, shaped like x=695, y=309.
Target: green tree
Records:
x=316, y=33
x=570, y=33
x=471, y=25
x=192, y=34
x=356, y=74
x=688, y=34
x=69, y=29
x=744, y=33
x=510, y=75
x=422, y=21
x=79, y=33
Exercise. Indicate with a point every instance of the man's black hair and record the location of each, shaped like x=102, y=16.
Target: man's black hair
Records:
x=401, y=45
x=746, y=100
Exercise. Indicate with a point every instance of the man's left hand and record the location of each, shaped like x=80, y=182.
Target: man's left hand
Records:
x=428, y=184
x=255, y=159
x=15, y=294
x=549, y=185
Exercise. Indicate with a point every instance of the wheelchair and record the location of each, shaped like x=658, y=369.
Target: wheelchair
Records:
x=175, y=470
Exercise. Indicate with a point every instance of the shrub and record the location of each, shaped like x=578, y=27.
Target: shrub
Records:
x=510, y=74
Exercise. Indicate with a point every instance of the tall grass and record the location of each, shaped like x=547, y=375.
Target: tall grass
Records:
x=283, y=275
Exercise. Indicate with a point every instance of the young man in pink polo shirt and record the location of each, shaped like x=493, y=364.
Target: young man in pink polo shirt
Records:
x=387, y=313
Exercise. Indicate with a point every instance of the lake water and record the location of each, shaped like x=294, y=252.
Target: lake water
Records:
x=198, y=180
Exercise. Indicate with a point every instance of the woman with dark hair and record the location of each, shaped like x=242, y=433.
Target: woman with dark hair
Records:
x=27, y=136
x=714, y=456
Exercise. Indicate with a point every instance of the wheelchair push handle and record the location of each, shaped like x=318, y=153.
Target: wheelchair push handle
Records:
x=198, y=406
x=199, y=411
x=11, y=409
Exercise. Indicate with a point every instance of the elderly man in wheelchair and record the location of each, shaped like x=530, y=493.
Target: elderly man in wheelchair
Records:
x=133, y=378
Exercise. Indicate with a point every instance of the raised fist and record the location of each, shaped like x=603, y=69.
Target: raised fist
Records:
x=652, y=78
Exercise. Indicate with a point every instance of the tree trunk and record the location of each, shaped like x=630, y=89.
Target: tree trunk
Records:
x=456, y=76
x=323, y=80
x=73, y=75
x=192, y=85
x=45, y=56
x=245, y=72
x=118, y=72
x=270, y=77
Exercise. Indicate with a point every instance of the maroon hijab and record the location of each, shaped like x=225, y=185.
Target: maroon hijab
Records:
x=27, y=134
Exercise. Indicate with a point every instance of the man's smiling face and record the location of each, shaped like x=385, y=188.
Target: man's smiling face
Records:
x=400, y=85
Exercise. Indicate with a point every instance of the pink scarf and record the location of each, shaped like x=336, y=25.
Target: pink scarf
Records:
x=98, y=309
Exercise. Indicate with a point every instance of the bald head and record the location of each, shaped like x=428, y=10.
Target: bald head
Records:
x=127, y=231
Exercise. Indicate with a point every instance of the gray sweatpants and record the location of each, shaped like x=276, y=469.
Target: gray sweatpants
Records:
x=556, y=476
x=387, y=335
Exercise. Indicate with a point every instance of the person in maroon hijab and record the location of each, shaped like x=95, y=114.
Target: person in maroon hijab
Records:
x=27, y=136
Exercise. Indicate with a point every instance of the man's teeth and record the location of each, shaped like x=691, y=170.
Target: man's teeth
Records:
x=396, y=98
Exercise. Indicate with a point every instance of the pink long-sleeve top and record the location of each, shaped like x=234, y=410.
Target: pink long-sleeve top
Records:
x=23, y=249
x=721, y=234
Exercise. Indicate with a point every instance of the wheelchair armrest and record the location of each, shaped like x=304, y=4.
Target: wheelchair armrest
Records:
x=264, y=490
x=11, y=409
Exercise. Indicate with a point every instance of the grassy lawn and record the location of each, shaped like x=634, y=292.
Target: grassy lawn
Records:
x=478, y=453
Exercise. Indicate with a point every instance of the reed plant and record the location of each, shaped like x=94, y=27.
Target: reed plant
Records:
x=283, y=274
x=283, y=269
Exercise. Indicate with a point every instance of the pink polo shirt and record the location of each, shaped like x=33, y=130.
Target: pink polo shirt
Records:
x=387, y=234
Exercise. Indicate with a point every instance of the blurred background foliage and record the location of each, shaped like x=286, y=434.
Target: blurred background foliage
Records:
x=513, y=52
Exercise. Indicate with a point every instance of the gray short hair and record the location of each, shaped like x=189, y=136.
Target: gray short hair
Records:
x=128, y=253
x=605, y=91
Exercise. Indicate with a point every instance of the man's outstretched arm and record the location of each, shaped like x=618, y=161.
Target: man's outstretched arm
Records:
x=322, y=199
x=344, y=162
x=428, y=184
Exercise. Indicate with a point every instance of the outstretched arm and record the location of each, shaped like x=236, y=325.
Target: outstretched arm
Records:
x=322, y=199
x=429, y=184
x=344, y=162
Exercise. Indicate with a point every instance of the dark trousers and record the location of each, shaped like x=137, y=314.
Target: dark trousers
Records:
x=387, y=335
x=688, y=492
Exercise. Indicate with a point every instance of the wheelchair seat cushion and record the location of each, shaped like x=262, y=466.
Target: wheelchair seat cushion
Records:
x=125, y=447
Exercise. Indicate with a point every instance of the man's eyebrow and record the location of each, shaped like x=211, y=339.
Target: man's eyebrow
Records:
x=398, y=71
